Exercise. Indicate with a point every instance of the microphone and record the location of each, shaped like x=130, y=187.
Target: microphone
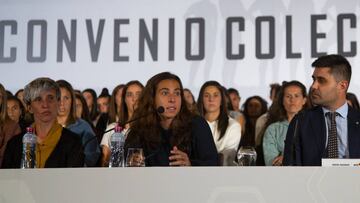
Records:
x=159, y=110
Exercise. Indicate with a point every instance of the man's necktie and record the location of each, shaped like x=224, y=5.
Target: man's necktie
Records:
x=333, y=151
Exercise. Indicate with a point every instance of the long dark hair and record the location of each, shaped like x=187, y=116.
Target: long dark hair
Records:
x=72, y=114
x=147, y=130
x=85, y=114
x=3, y=112
x=21, y=106
x=93, y=112
x=124, y=111
x=248, y=139
x=113, y=109
x=223, y=119
x=353, y=99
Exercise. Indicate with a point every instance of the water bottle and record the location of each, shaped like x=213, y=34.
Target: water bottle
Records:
x=117, y=141
x=29, y=145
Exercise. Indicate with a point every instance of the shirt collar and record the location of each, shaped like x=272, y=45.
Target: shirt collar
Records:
x=342, y=110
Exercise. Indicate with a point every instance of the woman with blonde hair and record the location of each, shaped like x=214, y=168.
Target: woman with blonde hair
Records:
x=56, y=147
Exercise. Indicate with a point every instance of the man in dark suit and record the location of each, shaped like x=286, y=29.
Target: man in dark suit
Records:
x=332, y=128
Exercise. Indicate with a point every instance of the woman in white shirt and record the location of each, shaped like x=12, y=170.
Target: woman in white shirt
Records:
x=225, y=130
x=130, y=94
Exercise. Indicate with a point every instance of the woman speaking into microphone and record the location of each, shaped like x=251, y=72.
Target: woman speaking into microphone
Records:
x=172, y=136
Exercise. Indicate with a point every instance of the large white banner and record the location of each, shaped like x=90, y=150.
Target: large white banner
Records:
x=246, y=44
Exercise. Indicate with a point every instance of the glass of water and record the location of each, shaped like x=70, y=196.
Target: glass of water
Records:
x=246, y=156
x=135, y=157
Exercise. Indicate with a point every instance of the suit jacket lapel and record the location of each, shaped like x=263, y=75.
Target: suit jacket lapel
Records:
x=353, y=133
x=319, y=129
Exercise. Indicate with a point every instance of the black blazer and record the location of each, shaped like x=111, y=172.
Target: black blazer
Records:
x=309, y=130
x=67, y=153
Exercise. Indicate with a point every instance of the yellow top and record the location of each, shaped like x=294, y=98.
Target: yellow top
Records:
x=46, y=147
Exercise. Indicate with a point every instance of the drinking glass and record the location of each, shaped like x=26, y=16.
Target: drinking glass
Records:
x=135, y=157
x=246, y=156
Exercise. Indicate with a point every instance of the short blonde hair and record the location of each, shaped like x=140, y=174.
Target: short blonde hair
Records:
x=35, y=87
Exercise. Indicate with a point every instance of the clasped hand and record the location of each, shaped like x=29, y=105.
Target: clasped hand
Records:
x=178, y=158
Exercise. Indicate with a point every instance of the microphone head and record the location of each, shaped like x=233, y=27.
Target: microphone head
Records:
x=160, y=109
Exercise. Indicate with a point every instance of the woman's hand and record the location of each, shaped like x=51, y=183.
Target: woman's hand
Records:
x=105, y=158
x=179, y=158
x=278, y=161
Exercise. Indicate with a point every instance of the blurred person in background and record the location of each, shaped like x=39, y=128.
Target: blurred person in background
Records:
x=16, y=112
x=20, y=95
x=234, y=111
x=292, y=99
x=115, y=103
x=8, y=127
x=128, y=101
x=68, y=119
x=225, y=130
x=103, y=107
x=82, y=110
x=253, y=108
x=352, y=100
x=190, y=101
x=91, y=98
x=261, y=121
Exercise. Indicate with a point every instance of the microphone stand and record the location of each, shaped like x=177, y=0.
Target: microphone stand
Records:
x=160, y=110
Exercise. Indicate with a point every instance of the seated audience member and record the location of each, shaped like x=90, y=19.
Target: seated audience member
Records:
x=235, y=111
x=331, y=128
x=16, y=112
x=103, y=101
x=225, y=130
x=115, y=103
x=254, y=107
x=57, y=147
x=20, y=95
x=190, y=101
x=261, y=121
x=67, y=118
x=28, y=118
x=8, y=93
x=82, y=110
x=170, y=134
x=8, y=127
x=130, y=95
x=291, y=99
x=352, y=100
x=103, y=107
x=91, y=98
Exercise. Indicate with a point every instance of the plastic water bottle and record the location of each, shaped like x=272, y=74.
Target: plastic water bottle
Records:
x=29, y=145
x=117, y=141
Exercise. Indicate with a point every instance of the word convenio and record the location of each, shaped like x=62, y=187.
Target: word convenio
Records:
x=148, y=39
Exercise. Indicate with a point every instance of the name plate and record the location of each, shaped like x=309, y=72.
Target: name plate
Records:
x=340, y=162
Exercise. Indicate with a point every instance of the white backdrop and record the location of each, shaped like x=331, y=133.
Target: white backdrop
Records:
x=98, y=43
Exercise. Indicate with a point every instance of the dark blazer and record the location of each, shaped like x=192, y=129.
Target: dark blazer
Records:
x=67, y=153
x=202, y=153
x=309, y=130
